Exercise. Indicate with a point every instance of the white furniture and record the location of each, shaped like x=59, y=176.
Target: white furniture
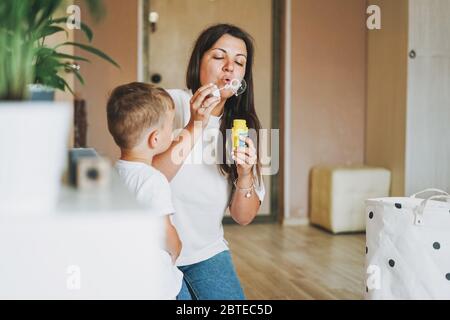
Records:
x=338, y=194
x=33, y=139
x=94, y=245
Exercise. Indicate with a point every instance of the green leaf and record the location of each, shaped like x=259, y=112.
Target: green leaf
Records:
x=47, y=9
x=87, y=31
x=92, y=50
x=49, y=30
x=68, y=56
x=43, y=52
x=58, y=20
x=62, y=84
x=84, y=27
x=46, y=70
x=57, y=83
x=79, y=77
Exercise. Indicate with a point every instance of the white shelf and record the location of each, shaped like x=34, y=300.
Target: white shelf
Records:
x=112, y=241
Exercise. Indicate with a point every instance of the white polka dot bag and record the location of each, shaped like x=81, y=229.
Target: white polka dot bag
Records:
x=408, y=247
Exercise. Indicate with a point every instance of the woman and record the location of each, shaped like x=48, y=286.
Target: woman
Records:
x=202, y=191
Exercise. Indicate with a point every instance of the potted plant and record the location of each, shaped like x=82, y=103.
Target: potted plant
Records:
x=33, y=135
x=49, y=61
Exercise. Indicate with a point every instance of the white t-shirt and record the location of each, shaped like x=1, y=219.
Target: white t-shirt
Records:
x=152, y=190
x=200, y=193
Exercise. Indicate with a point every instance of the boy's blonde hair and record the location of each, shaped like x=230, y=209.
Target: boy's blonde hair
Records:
x=133, y=108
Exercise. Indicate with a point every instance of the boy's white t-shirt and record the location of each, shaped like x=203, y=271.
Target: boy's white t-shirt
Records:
x=200, y=193
x=152, y=190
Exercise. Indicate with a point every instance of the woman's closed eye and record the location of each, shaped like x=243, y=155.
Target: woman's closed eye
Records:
x=239, y=63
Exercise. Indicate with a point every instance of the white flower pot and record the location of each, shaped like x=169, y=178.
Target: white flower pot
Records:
x=33, y=150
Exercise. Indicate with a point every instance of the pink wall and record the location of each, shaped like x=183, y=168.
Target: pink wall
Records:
x=328, y=89
x=116, y=35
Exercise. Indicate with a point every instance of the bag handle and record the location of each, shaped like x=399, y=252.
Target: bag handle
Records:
x=419, y=211
x=429, y=190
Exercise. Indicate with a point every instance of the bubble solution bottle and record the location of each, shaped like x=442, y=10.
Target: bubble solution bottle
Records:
x=239, y=130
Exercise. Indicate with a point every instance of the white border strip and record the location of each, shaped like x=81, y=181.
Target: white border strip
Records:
x=287, y=111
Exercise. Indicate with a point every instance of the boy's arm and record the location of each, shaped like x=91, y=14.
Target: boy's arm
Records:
x=173, y=242
x=170, y=161
x=201, y=104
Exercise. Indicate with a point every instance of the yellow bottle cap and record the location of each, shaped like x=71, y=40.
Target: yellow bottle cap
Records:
x=239, y=123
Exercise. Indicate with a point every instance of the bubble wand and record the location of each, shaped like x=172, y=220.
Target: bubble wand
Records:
x=237, y=86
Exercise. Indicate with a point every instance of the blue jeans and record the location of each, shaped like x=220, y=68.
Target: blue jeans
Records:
x=212, y=279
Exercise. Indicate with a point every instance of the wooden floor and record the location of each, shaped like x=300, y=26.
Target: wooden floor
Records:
x=297, y=262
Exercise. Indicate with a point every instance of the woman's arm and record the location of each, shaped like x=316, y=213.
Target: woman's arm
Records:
x=170, y=161
x=243, y=209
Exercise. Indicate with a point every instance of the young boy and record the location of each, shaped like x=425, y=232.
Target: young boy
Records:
x=140, y=119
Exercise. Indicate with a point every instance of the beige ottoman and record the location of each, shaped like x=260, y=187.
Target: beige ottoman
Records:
x=337, y=195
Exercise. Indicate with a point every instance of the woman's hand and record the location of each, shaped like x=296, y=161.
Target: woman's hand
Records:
x=243, y=208
x=202, y=103
x=245, y=158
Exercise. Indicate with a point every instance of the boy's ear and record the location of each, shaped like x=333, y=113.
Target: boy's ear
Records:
x=153, y=139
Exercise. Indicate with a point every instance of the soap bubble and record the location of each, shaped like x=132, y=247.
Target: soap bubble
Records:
x=237, y=86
